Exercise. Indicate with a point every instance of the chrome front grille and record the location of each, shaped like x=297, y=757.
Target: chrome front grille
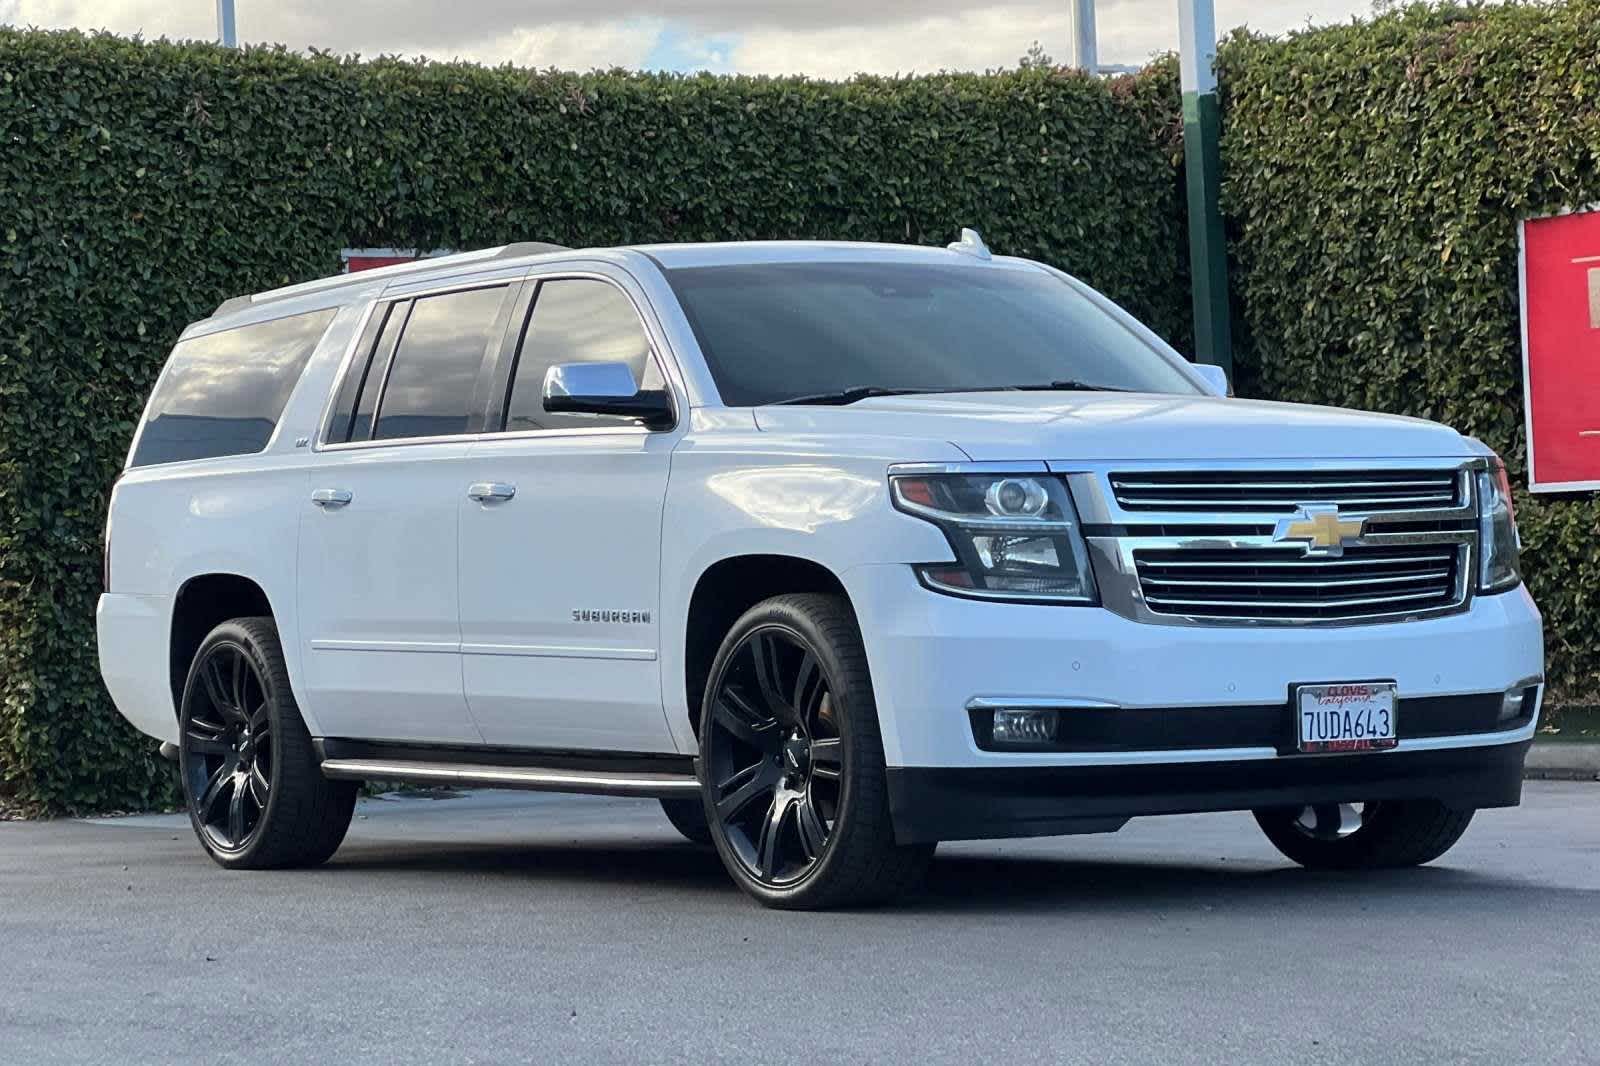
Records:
x=1281, y=583
x=1240, y=544
x=1264, y=491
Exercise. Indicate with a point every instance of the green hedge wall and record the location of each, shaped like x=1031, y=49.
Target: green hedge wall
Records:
x=142, y=183
x=1374, y=176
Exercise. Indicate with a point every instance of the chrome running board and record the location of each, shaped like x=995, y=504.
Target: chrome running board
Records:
x=536, y=779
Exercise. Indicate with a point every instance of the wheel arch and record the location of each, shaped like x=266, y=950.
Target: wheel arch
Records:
x=727, y=589
x=203, y=602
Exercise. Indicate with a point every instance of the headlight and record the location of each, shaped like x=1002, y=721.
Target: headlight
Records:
x=1498, y=545
x=1015, y=537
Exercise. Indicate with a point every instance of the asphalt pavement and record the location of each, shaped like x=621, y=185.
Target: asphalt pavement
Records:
x=502, y=927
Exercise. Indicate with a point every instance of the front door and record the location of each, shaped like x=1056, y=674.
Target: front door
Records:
x=561, y=542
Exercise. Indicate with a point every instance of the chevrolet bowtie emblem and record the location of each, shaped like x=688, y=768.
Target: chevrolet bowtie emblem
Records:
x=1319, y=527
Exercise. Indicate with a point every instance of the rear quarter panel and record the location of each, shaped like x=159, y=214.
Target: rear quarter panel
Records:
x=238, y=515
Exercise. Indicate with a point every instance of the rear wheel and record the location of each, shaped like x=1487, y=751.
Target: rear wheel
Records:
x=255, y=791
x=1364, y=836
x=688, y=816
x=795, y=787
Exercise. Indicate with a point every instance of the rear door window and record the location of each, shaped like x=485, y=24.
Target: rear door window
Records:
x=223, y=393
x=431, y=387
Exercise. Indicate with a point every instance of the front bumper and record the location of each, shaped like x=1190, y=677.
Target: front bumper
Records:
x=967, y=804
x=1186, y=718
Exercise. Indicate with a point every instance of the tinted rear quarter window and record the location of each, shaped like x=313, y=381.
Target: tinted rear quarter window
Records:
x=223, y=393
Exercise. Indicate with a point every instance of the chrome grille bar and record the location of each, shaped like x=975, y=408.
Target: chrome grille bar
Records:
x=1426, y=575
x=1252, y=491
x=1275, y=580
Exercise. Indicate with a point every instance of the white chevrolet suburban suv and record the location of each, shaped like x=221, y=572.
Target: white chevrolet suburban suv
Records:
x=838, y=550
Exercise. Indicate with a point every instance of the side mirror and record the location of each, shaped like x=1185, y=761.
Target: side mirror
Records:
x=604, y=389
x=1215, y=377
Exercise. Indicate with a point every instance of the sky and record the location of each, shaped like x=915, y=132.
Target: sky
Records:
x=822, y=38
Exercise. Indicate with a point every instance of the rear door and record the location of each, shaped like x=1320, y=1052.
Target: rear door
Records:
x=560, y=573
x=378, y=537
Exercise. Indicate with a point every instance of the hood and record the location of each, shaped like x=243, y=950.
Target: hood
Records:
x=1094, y=426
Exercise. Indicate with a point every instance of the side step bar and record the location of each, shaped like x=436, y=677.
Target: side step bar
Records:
x=534, y=778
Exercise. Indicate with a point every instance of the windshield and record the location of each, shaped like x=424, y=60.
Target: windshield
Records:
x=780, y=331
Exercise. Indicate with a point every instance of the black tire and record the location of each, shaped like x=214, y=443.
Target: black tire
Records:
x=1391, y=834
x=688, y=816
x=842, y=774
x=241, y=736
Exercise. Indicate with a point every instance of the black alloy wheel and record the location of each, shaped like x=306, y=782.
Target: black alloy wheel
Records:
x=1364, y=836
x=228, y=747
x=250, y=773
x=1333, y=821
x=793, y=777
x=776, y=756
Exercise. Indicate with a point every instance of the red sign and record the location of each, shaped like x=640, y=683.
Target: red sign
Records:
x=356, y=259
x=1561, y=350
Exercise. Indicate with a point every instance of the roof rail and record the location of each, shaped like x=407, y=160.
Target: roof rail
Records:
x=420, y=266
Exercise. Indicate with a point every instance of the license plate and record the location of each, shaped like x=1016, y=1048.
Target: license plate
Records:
x=1358, y=716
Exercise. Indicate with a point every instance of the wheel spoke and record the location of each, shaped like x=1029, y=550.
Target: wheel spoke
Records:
x=1329, y=821
x=236, y=810
x=206, y=727
x=258, y=786
x=735, y=714
x=238, y=683
x=208, y=798
x=813, y=833
x=201, y=744
x=770, y=844
x=808, y=686
x=216, y=689
x=746, y=785
x=764, y=650
x=827, y=758
x=258, y=719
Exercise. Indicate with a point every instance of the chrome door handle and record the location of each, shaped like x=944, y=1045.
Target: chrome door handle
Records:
x=483, y=491
x=331, y=497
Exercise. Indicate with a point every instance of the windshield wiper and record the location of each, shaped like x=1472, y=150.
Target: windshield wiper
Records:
x=850, y=395
x=1073, y=385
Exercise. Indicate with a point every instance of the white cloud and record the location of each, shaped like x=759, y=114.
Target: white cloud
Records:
x=569, y=45
x=995, y=35
x=818, y=37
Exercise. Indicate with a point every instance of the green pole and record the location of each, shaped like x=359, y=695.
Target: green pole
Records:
x=1202, y=124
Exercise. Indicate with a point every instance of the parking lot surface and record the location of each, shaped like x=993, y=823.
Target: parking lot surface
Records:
x=501, y=927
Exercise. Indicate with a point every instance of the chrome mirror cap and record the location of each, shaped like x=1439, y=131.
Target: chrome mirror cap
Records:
x=1216, y=378
x=605, y=389
x=611, y=381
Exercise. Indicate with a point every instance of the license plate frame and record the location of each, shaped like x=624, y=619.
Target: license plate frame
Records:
x=1339, y=717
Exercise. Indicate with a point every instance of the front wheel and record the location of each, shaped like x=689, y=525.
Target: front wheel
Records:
x=1364, y=836
x=792, y=765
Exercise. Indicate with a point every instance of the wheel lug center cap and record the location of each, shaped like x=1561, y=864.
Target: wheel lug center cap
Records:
x=796, y=754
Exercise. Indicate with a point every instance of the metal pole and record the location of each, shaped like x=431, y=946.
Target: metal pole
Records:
x=225, y=29
x=1085, y=54
x=1202, y=124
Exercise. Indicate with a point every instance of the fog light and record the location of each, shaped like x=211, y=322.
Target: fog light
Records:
x=1025, y=727
x=1513, y=703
